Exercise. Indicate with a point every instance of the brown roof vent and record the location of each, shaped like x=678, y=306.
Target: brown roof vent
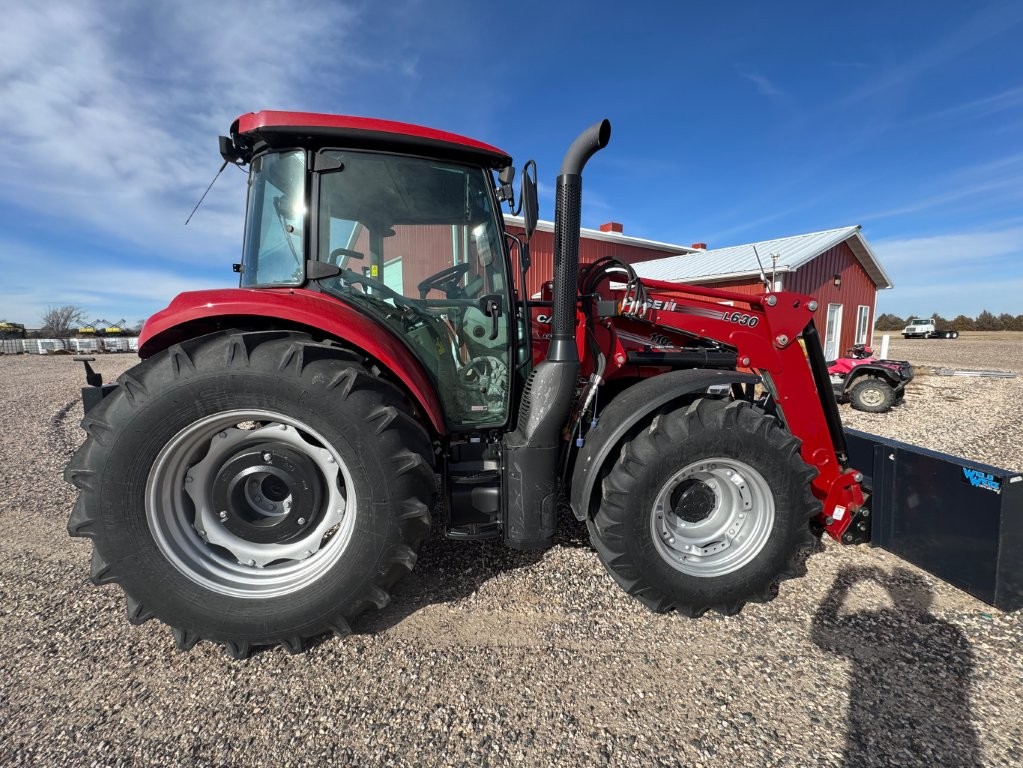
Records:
x=700, y=246
x=611, y=226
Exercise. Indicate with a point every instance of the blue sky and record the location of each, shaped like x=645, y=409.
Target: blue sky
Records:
x=733, y=122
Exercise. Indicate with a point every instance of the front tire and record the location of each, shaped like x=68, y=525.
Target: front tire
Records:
x=252, y=489
x=708, y=508
x=872, y=394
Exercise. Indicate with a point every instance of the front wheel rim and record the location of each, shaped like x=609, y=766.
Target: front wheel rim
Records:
x=241, y=544
x=712, y=517
x=872, y=397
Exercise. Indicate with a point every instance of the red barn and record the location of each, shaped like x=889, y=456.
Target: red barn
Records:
x=609, y=240
x=836, y=266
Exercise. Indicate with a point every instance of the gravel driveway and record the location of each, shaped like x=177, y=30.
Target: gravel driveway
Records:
x=490, y=657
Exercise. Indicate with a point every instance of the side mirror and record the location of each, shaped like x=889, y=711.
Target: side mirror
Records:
x=530, y=208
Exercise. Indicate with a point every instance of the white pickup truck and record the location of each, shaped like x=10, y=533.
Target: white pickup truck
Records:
x=919, y=328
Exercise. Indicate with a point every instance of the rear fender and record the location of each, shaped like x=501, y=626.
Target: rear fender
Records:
x=877, y=371
x=629, y=409
x=197, y=313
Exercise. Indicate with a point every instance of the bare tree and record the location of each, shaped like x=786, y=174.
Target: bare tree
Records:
x=58, y=321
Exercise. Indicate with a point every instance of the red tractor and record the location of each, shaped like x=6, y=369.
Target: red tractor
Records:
x=270, y=468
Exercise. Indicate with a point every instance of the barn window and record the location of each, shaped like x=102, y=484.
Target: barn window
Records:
x=862, y=324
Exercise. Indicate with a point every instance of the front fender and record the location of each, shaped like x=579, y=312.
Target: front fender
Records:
x=198, y=312
x=628, y=409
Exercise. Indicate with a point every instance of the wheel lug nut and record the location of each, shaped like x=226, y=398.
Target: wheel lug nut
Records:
x=267, y=457
x=252, y=562
x=222, y=434
x=258, y=497
x=223, y=515
x=301, y=521
x=188, y=478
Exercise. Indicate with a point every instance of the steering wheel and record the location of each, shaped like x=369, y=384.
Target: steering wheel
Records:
x=447, y=281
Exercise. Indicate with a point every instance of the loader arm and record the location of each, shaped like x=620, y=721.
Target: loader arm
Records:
x=766, y=332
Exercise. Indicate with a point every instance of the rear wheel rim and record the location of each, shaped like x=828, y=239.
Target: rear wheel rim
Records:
x=872, y=396
x=285, y=521
x=712, y=517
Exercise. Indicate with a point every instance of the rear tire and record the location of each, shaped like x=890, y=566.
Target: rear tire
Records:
x=252, y=489
x=708, y=508
x=872, y=394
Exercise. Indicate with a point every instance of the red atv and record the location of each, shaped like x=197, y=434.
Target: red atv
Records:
x=868, y=384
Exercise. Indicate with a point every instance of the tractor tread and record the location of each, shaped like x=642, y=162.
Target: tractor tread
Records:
x=609, y=527
x=404, y=443
x=80, y=524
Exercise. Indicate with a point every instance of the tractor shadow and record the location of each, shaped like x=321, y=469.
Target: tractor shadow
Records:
x=909, y=676
x=449, y=570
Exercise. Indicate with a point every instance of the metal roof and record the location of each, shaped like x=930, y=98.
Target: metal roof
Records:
x=611, y=237
x=740, y=261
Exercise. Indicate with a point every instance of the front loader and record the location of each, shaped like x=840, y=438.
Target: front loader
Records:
x=270, y=468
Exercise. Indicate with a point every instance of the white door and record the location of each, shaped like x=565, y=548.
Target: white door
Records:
x=833, y=331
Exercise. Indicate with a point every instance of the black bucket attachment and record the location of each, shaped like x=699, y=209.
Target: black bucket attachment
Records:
x=960, y=520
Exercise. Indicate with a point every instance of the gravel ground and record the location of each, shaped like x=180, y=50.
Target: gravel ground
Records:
x=490, y=657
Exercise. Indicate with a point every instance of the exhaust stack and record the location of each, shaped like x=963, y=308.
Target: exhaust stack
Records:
x=567, y=216
x=530, y=456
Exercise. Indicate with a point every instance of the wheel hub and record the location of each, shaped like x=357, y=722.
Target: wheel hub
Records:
x=268, y=493
x=692, y=501
x=250, y=503
x=712, y=517
x=872, y=396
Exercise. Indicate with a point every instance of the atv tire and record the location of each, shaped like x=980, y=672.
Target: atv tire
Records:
x=707, y=508
x=252, y=489
x=872, y=394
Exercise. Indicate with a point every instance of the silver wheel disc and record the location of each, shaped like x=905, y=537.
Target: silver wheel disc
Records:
x=250, y=503
x=872, y=396
x=712, y=517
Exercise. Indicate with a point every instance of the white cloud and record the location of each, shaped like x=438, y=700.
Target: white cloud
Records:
x=930, y=293
x=988, y=21
x=97, y=285
x=110, y=111
x=993, y=182
x=964, y=250
x=763, y=84
x=954, y=273
x=113, y=109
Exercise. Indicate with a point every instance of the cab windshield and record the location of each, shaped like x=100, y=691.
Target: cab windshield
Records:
x=419, y=247
x=274, y=245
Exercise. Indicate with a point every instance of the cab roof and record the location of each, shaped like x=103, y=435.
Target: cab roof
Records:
x=313, y=130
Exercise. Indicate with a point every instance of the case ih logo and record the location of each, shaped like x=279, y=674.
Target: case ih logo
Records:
x=631, y=306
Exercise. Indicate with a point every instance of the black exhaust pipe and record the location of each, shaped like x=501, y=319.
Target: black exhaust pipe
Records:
x=530, y=462
x=567, y=216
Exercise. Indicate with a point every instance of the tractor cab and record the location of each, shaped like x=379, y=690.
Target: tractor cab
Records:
x=408, y=232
